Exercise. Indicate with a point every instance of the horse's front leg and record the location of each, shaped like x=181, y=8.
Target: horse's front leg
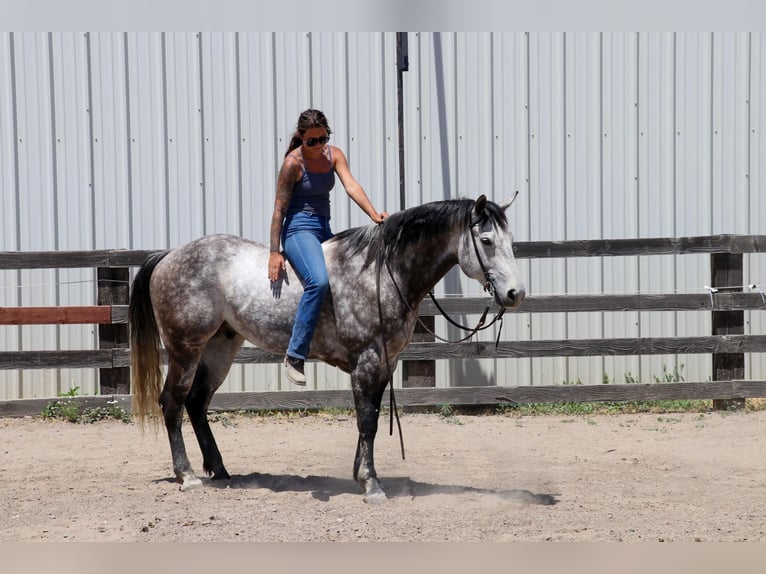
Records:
x=368, y=392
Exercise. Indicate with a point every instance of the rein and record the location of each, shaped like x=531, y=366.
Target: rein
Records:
x=393, y=411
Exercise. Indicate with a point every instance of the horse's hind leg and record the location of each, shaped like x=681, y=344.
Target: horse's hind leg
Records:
x=172, y=399
x=213, y=368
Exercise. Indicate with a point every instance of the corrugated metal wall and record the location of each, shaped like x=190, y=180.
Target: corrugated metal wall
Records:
x=149, y=140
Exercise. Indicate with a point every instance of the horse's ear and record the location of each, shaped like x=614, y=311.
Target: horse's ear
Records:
x=481, y=203
x=508, y=204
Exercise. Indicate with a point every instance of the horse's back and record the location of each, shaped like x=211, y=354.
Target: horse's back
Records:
x=219, y=279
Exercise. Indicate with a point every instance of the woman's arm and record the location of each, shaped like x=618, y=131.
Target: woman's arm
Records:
x=353, y=189
x=288, y=175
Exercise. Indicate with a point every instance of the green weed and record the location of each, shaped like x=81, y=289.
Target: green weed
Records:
x=448, y=413
x=73, y=412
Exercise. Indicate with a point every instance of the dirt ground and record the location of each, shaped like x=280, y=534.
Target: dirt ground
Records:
x=643, y=477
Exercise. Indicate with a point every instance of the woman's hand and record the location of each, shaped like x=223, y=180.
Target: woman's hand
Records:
x=378, y=217
x=276, y=265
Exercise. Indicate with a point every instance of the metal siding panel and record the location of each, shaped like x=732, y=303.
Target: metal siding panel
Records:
x=656, y=210
x=8, y=204
x=260, y=154
x=755, y=265
x=75, y=229
x=584, y=187
x=693, y=133
x=37, y=199
x=37, y=196
x=692, y=180
x=473, y=111
x=182, y=138
x=222, y=190
x=656, y=134
x=619, y=194
x=108, y=109
x=72, y=142
x=372, y=153
x=148, y=161
x=10, y=381
x=413, y=97
x=547, y=189
x=730, y=141
x=293, y=80
x=354, y=121
x=441, y=181
x=384, y=181
x=757, y=181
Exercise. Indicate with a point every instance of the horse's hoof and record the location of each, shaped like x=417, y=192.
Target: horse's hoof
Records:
x=217, y=473
x=375, y=495
x=190, y=483
x=375, y=498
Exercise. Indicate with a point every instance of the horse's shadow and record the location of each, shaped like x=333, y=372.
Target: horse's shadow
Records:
x=324, y=487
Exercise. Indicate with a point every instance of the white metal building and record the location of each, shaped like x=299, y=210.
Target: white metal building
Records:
x=144, y=141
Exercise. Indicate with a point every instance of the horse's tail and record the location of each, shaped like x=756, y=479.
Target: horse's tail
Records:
x=145, y=357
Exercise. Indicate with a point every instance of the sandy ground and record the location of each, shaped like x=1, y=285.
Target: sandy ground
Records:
x=647, y=477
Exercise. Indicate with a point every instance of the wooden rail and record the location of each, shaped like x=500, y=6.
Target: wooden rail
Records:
x=120, y=357
x=429, y=397
x=727, y=343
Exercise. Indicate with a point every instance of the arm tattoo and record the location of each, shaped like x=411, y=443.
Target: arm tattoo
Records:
x=287, y=177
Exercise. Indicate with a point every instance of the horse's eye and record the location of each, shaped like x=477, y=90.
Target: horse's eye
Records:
x=486, y=241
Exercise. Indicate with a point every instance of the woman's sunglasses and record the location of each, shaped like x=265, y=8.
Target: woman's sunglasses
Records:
x=311, y=142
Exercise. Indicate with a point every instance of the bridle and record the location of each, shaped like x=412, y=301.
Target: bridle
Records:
x=489, y=287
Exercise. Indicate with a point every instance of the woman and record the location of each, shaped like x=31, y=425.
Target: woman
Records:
x=301, y=221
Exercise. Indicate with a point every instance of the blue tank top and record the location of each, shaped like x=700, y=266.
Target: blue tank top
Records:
x=311, y=193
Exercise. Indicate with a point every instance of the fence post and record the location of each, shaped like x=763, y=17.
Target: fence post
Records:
x=726, y=272
x=113, y=289
x=420, y=373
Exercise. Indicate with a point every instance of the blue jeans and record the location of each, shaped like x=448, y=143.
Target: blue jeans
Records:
x=302, y=237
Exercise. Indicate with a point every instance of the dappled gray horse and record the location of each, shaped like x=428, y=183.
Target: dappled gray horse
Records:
x=204, y=299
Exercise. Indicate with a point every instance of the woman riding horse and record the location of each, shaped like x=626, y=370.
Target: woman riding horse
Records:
x=302, y=221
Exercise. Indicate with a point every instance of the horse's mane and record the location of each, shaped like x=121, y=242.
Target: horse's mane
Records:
x=405, y=228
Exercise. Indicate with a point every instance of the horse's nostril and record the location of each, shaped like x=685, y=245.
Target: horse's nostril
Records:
x=515, y=296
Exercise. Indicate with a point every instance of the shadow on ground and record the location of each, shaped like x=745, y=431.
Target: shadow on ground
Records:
x=324, y=487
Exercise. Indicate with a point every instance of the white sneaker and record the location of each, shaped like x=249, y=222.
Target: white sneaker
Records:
x=294, y=370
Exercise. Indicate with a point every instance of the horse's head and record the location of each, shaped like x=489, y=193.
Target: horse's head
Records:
x=486, y=253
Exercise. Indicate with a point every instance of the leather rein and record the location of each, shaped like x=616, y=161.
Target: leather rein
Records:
x=488, y=287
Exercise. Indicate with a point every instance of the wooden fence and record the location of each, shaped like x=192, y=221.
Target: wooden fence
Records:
x=727, y=343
